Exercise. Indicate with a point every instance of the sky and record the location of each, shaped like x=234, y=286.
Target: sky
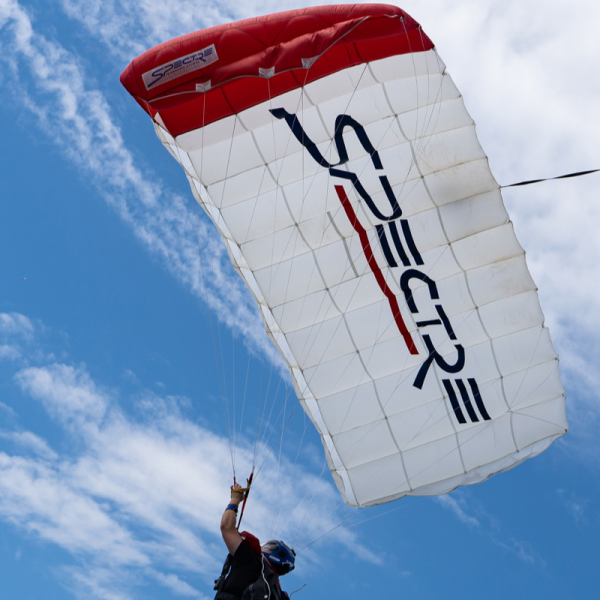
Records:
x=123, y=328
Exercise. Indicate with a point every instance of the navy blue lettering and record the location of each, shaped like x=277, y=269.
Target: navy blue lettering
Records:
x=467, y=401
x=341, y=122
x=158, y=73
x=398, y=244
x=385, y=246
x=428, y=323
x=410, y=242
x=439, y=361
x=478, y=399
x=414, y=274
x=454, y=401
x=445, y=321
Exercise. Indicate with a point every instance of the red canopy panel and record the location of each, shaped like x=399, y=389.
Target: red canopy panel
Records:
x=248, y=62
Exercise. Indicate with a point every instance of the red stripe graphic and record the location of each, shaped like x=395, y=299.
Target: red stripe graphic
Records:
x=364, y=240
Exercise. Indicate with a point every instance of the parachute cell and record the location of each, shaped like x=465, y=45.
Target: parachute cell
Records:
x=335, y=155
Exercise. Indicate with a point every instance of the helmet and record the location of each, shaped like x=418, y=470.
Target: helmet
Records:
x=280, y=556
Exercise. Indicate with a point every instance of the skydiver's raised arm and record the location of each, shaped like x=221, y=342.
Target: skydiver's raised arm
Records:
x=229, y=531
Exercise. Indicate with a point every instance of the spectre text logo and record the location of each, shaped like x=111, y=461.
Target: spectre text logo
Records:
x=180, y=66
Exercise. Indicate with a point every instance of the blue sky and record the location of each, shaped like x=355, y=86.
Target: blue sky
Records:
x=114, y=454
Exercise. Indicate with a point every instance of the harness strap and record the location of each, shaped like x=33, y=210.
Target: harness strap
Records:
x=220, y=582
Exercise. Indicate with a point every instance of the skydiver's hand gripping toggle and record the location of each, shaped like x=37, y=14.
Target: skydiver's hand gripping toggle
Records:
x=245, y=491
x=242, y=490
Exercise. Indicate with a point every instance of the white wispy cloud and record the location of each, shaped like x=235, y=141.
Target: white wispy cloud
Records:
x=130, y=376
x=79, y=121
x=32, y=495
x=176, y=585
x=133, y=500
x=480, y=521
x=99, y=583
x=522, y=550
x=7, y=411
x=19, y=338
x=67, y=392
x=29, y=441
x=576, y=506
x=16, y=325
x=451, y=503
x=9, y=352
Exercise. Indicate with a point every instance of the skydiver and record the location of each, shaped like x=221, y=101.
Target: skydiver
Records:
x=250, y=570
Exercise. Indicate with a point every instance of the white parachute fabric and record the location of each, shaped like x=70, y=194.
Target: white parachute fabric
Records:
x=387, y=273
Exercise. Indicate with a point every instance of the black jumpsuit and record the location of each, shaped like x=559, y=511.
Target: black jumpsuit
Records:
x=246, y=567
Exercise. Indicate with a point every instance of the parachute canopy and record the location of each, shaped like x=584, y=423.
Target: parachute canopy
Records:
x=335, y=156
